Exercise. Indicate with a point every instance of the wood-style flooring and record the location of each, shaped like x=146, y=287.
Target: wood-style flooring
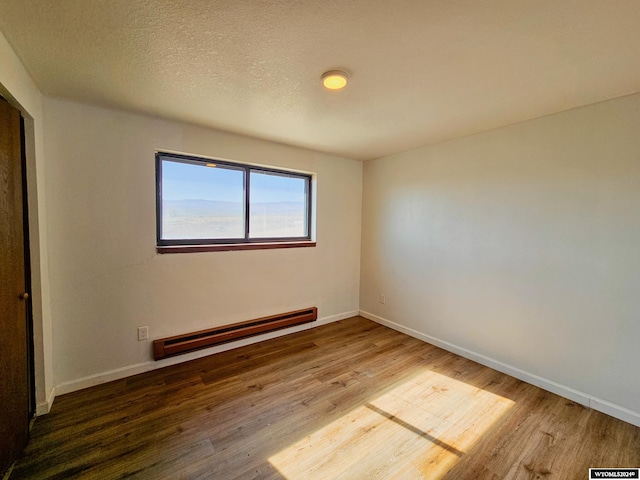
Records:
x=348, y=400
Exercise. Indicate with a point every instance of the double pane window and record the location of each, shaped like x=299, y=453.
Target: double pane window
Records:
x=202, y=201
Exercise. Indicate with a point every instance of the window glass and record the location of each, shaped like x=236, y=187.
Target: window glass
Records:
x=201, y=202
x=278, y=205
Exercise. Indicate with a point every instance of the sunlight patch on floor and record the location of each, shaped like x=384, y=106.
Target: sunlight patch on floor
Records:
x=419, y=429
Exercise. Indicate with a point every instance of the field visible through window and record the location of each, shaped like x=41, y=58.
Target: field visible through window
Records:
x=212, y=202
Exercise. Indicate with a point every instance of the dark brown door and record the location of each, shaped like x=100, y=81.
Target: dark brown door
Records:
x=14, y=370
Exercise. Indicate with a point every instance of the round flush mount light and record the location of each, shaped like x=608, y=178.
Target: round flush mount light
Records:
x=335, y=80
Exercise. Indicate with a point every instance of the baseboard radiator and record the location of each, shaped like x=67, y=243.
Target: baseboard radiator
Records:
x=189, y=342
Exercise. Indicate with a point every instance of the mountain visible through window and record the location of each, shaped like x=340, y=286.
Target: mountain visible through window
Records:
x=204, y=201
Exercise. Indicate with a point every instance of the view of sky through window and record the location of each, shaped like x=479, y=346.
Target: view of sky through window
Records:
x=277, y=206
x=205, y=202
x=200, y=202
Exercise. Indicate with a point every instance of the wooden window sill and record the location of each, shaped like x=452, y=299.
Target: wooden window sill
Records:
x=231, y=246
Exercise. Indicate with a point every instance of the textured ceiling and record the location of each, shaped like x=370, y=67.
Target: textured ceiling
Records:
x=422, y=70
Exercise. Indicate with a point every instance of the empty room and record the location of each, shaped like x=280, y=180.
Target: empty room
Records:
x=292, y=239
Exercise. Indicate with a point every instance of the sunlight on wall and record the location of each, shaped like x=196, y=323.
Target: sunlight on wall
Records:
x=420, y=428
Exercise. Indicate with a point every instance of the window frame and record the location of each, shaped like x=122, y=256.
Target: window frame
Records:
x=245, y=243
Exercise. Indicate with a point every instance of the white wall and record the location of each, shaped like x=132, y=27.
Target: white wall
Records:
x=106, y=276
x=520, y=246
x=19, y=89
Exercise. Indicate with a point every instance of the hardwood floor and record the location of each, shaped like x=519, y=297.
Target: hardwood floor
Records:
x=348, y=400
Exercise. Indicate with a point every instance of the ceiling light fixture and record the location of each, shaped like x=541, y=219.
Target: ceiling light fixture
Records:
x=335, y=80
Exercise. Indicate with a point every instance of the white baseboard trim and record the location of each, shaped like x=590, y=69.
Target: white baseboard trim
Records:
x=130, y=370
x=616, y=411
x=42, y=408
x=603, y=406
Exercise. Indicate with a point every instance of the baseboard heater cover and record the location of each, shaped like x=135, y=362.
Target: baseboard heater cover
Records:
x=189, y=342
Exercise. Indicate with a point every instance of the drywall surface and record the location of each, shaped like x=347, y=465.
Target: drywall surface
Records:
x=106, y=277
x=521, y=244
x=19, y=89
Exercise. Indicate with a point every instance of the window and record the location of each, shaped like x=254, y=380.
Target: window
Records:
x=204, y=202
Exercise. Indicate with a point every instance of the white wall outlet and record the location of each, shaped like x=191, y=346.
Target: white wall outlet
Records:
x=383, y=298
x=143, y=333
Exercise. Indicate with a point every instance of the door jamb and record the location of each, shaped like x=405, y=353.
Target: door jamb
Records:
x=27, y=275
